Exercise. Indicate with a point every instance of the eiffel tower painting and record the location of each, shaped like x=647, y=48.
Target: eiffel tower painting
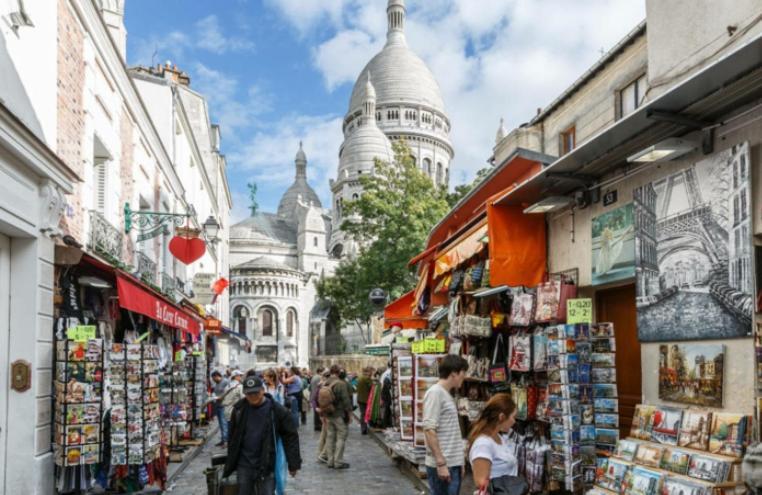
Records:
x=693, y=251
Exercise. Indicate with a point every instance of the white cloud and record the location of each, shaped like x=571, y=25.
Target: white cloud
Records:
x=268, y=155
x=210, y=37
x=492, y=58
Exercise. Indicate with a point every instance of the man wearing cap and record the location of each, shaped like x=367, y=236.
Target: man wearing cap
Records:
x=257, y=420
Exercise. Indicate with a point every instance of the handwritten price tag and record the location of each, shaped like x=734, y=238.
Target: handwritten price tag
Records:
x=579, y=311
x=81, y=333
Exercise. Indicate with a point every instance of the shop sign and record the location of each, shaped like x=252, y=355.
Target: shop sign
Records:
x=213, y=326
x=21, y=375
x=579, y=311
x=428, y=346
x=136, y=299
x=202, y=288
x=610, y=197
x=81, y=333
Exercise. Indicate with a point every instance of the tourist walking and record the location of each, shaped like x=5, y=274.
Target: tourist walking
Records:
x=314, y=387
x=218, y=389
x=274, y=387
x=441, y=428
x=293, y=383
x=492, y=455
x=322, y=451
x=256, y=424
x=386, y=397
x=233, y=394
x=335, y=404
x=364, y=384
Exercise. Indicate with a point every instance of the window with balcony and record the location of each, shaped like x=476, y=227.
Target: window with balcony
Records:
x=631, y=97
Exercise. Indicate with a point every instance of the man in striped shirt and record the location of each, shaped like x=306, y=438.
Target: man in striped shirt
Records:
x=444, y=440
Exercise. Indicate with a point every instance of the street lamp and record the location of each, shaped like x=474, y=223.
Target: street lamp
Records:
x=211, y=228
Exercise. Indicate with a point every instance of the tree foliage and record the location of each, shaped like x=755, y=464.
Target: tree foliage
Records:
x=461, y=190
x=390, y=222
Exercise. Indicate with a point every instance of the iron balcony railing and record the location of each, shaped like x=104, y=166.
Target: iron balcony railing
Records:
x=146, y=267
x=105, y=239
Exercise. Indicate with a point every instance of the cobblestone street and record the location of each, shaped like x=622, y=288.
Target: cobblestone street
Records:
x=372, y=472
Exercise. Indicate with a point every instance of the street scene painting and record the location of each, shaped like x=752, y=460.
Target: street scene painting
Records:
x=691, y=373
x=693, y=251
x=613, y=246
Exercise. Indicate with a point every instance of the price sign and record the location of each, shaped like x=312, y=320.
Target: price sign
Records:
x=81, y=333
x=579, y=311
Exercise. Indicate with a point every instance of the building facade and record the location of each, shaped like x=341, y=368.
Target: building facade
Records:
x=276, y=258
x=77, y=144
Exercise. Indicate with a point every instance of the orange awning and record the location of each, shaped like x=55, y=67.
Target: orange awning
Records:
x=400, y=313
x=517, y=247
x=422, y=255
x=465, y=248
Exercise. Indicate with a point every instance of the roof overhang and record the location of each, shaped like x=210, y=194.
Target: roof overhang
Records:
x=728, y=84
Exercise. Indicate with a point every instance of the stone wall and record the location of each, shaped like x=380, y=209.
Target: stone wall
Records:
x=353, y=363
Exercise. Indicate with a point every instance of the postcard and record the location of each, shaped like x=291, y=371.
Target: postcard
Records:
x=586, y=414
x=681, y=486
x=708, y=468
x=607, y=420
x=643, y=481
x=91, y=433
x=603, y=359
x=91, y=454
x=603, y=404
x=604, y=390
x=614, y=474
x=584, y=373
x=727, y=434
x=625, y=449
x=604, y=375
x=584, y=351
x=602, y=330
x=73, y=456
x=641, y=422
x=587, y=434
x=606, y=436
x=603, y=345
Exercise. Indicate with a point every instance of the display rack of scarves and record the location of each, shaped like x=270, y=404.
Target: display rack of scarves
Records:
x=373, y=409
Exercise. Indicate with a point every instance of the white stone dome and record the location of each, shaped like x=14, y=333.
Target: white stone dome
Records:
x=399, y=76
x=362, y=147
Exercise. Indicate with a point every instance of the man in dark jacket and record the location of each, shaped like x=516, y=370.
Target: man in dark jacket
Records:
x=254, y=424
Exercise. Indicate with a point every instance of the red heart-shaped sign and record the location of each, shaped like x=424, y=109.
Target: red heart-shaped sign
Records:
x=187, y=250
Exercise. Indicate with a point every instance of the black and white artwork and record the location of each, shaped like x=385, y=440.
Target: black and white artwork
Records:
x=693, y=251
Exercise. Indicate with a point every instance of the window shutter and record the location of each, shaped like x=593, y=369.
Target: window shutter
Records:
x=100, y=187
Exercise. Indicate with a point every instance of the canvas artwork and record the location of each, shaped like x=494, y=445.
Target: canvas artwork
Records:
x=728, y=433
x=694, y=259
x=664, y=426
x=641, y=422
x=694, y=430
x=649, y=455
x=691, y=373
x=675, y=460
x=613, y=246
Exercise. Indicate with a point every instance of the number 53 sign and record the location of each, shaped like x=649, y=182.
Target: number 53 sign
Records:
x=579, y=311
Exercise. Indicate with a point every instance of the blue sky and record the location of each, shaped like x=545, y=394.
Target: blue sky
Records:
x=279, y=71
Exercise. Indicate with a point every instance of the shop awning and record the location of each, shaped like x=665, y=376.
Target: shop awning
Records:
x=227, y=331
x=426, y=253
x=400, y=313
x=464, y=248
x=134, y=297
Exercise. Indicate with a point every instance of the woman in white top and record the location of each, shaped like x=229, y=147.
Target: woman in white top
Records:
x=491, y=455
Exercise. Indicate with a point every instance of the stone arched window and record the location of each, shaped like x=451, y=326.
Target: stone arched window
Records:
x=240, y=315
x=427, y=168
x=315, y=241
x=290, y=323
x=440, y=172
x=268, y=321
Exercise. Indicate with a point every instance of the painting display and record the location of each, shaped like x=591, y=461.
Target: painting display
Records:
x=613, y=246
x=693, y=257
x=691, y=373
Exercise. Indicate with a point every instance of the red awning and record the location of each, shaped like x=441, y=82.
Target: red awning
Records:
x=400, y=313
x=135, y=298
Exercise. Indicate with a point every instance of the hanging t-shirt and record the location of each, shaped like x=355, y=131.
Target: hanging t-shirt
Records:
x=501, y=455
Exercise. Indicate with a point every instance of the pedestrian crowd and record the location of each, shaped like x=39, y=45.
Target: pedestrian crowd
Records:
x=260, y=413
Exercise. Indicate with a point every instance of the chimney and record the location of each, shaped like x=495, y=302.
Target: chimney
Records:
x=170, y=71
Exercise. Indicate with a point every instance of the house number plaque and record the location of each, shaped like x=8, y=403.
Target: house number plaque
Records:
x=21, y=375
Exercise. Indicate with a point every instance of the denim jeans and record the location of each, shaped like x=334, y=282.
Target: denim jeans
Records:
x=220, y=412
x=251, y=484
x=441, y=487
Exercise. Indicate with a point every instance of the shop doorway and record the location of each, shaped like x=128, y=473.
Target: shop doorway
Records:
x=617, y=305
x=5, y=282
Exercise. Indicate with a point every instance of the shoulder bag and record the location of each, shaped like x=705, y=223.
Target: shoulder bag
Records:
x=497, y=370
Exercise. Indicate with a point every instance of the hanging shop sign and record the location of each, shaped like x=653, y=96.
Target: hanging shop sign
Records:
x=187, y=249
x=579, y=311
x=139, y=300
x=428, y=346
x=81, y=333
x=213, y=327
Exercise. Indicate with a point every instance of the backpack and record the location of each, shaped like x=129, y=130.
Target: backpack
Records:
x=326, y=400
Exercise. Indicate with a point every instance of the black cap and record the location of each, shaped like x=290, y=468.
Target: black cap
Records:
x=252, y=385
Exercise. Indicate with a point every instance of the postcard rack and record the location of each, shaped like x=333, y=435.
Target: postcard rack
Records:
x=196, y=388
x=621, y=473
x=78, y=402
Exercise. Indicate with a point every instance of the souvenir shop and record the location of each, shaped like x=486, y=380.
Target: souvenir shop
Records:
x=627, y=348
x=130, y=377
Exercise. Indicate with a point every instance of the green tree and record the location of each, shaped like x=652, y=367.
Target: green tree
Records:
x=390, y=221
x=253, y=205
x=461, y=190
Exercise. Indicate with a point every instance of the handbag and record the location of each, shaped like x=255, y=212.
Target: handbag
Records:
x=508, y=485
x=522, y=310
x=497, y=371
x=520, y=352
x=281, y=466
x=539, y=350
x=568, y=291
x=548, y=299
x=519, y=395
x=476, y=326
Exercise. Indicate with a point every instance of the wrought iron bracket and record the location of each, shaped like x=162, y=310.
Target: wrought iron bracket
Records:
x=152, y=223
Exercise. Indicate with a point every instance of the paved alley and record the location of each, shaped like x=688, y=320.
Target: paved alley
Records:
x=372, y=472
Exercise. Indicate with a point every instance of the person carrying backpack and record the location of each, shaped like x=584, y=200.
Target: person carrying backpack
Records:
x=335, y=405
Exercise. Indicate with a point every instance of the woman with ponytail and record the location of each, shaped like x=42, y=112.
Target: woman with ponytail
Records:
x=492, y=456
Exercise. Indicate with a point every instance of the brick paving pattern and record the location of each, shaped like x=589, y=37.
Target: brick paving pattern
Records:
x=372, y=472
